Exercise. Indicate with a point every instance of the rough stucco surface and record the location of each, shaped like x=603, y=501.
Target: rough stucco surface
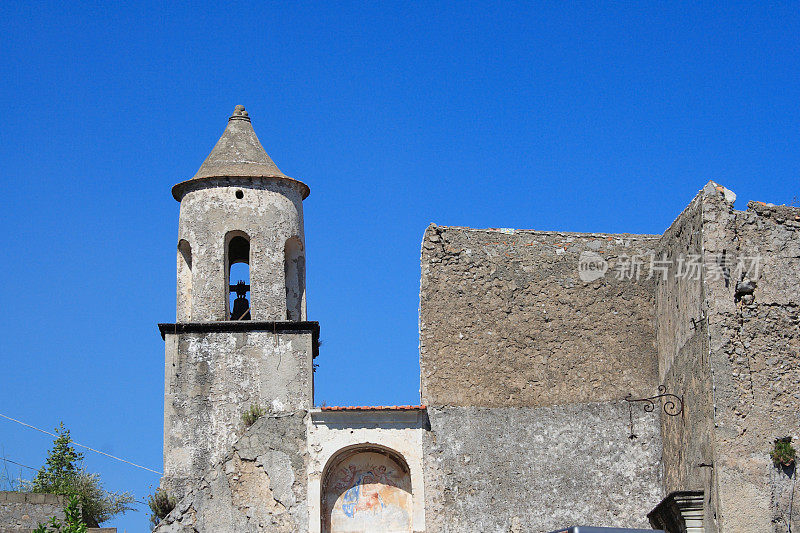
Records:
x=506, y=320
x=755, y=360
x=259, y=486
x=684, y=364
x=21, y=511
x=270, y=213
x=214, y=377
x=738, y=365
x=535, y=470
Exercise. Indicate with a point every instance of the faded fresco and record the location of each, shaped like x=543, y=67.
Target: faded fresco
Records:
x=367, y=492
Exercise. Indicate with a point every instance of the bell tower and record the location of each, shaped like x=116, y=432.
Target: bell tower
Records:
x=240, y=337
x=239, y=208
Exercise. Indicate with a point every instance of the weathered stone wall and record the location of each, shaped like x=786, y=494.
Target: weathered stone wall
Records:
x=734, y=357
x=537, y=469
x=270, y=213
x=684, y=369
x=23, y=511
x=259, y=486
x=755, y=359
x=506, y=320
x=529, y=341
x=212, y=378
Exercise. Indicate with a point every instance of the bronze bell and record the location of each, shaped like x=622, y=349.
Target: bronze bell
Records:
x=241, y=307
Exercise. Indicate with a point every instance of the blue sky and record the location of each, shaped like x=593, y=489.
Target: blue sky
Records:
x=571, y=116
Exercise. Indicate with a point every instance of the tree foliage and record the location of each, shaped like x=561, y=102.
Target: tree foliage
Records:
x=63, y=474
x=60, y=467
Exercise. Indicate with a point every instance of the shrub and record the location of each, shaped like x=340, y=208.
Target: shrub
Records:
x=251, y=415
x=783, y=452
x=62, y=474
x=98, y=505
x=161, y=503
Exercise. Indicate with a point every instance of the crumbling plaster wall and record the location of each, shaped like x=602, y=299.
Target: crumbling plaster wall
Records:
x=332, y=432
x=270, y=212
x=525, y=357
x=755, y=360
x=506, y=320
x=260, y=485
x=733, y=357
x=211, y=378
x=538, y=469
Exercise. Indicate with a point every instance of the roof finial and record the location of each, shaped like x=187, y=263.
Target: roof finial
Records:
x=239, y=114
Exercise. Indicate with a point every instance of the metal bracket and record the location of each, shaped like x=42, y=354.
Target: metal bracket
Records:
x=673, y=405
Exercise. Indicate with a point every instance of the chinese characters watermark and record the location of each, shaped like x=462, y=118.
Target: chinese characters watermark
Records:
x=713, y=267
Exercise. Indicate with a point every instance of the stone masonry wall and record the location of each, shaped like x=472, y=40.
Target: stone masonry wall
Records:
x=260, y=485
x=755, y=359
x=506, y=320
x=529, y=341
x=534, y=470
x=211, y=378
x=684, y=368
x=22, y=511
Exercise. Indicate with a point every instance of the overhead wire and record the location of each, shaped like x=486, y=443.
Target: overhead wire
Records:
x=82, y=445
x=18, y=464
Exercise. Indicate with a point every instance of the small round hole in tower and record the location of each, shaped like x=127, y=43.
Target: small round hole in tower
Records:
x=239, y=195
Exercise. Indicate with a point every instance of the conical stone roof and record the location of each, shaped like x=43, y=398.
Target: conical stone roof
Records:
x=237, y=154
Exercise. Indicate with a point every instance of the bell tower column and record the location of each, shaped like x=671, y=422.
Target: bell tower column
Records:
x=236, y=342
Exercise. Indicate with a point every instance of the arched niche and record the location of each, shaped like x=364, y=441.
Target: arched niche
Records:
x=366, y=489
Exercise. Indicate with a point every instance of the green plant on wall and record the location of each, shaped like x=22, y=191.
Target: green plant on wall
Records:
x=251, y=415
x=783, y=452
x=161, y=503
x=73, y=521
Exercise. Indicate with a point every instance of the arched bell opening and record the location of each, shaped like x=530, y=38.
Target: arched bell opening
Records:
x=238, y=275
x=366, y=488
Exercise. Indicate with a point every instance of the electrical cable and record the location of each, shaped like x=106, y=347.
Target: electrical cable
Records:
x=83, y=446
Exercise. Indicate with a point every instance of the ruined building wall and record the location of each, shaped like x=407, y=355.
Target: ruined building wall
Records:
x=755, y=359
x=733, y=356
x=258, y=485
x=684, y=367
x=524, y=367
x=505, y=319
x=537, y=469
x=212, y=378
x=21, y=512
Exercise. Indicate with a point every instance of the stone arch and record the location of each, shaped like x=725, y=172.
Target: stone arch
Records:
x=237, y=251
x=366, y=489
